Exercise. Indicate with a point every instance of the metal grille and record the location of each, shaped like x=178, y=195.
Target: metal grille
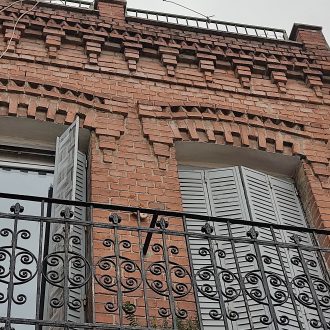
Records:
x=86, y=4
x=205, y=24
x=140, y=270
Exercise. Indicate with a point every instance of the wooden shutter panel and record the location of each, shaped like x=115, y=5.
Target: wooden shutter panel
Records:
x=274, y=200
x=195, y=200
x=290, y=213
x=69, y=183
x=228, y=201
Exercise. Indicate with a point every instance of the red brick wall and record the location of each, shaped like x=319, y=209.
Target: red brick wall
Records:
x=140, y=88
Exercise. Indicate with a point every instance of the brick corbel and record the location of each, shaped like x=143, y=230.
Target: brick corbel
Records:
x=314, y=80
x=132, y=54
x=278, y=76
x=206, y=65
x=53, y=39
x=243, y=71
x=12, y=36
x=169, y=58
x=93, y=47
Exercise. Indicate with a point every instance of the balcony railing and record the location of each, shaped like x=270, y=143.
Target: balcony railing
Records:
x=85, y=4
x=127, y=267
x=207, y=24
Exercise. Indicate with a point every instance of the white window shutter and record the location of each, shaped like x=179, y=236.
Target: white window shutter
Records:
x=274, y=200
x=69, y=184
x=228, y=200
x=290, y=213
x=195, y=200
x=218, y=193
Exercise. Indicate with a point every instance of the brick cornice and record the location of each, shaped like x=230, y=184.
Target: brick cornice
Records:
x=228, y=50
x=163, y=125
x=40, y=100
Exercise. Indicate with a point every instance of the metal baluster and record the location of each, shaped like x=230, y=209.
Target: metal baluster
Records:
x=67, y=214
x=16, y=209
x=287, y=280
x=253, y=234
x=143, y=272
x=240, y=276
x=116, y=219
x=39, y=262
x=192, y=272
x=208, y=230
x=323, y=321
x=163, y=224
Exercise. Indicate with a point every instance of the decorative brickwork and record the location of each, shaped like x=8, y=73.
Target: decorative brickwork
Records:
x=140, y=88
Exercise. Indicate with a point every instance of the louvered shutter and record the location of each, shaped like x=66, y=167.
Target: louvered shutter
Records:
x=290, y=213
x=70, y=184
x=218, y=193
x=227, y=200
x=195, y=200
x=274, y=200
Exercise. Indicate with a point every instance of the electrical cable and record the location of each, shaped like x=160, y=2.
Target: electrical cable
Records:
x=194, y=11
x=12, y=4
x=15, y=26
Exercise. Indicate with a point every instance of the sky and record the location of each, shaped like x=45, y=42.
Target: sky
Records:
x=276, y=13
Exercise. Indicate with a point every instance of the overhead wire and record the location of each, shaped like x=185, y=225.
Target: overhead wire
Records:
x=12, y=4
x=192, y=10
x=15, y=25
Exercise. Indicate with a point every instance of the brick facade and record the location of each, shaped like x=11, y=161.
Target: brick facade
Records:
x=141, y=88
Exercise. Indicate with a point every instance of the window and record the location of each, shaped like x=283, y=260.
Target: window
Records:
x=245, y=194
x=26, y=171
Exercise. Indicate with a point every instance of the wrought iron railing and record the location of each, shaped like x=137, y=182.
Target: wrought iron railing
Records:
x=207, y=24
x=151, y=269
x=86, y=4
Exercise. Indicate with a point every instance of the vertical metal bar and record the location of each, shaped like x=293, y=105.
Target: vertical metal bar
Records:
x=310, y=282
x=192, y=272
x=264, y=278
x=240, y=276
x=162, y=224
x=143, y=272
x=39, y=263
x=287, y=280
x=16, y=209
x=66, y=267
x=216, y=278
x=118, y=271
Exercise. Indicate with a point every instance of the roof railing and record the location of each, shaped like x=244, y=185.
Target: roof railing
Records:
x=85, y=4
x=207, y=24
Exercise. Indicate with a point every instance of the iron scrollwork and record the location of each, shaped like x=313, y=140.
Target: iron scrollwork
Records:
x=107, y=271
x=66, y=269
x=180, y=280
x=25, y=262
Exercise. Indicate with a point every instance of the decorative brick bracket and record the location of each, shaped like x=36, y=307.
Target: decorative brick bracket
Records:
x=243, y=71
x=314, y=80
x=278, y=76
x=169, y=59
x=132, y=54
x=13, y=36
x=53, y=39
x=93, y=46
x=206, y=65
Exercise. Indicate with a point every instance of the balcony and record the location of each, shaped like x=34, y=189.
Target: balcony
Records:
x=127, y=267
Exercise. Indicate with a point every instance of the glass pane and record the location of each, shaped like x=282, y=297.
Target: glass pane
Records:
x=23, y=182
